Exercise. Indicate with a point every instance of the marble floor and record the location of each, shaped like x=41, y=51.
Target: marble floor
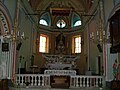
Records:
x=30, y=88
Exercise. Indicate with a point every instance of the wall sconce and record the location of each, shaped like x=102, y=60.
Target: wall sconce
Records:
x=15, y=37
x=21, y=36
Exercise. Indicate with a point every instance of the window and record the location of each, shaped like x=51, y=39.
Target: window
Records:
x=77, y=23
x=76, y=43
x=61, y=23
x=45, y=19
x=43, y=22
x=43, y=47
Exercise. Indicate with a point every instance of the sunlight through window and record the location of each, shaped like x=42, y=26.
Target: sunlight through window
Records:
x=43, y=22
x=43, y=44
x=61, y=24
x=77, y=23
x=76, y=44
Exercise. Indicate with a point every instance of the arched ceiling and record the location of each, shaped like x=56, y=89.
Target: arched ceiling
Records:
x=76, y=5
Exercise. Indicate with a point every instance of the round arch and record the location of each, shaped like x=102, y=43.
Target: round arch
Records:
x=5, y=29
x=74, y=18
x=46, y=16
x=5, y=19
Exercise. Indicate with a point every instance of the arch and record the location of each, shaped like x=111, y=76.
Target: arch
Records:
x=5, y=29
x=115, y=32
x=1, y=28
x=116, y=8
x=74, y=19
x=43, y=22
x=46, y=17
x=57, y=19
x=5, y=19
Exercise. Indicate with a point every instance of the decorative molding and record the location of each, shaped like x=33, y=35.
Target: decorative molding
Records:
x=4, y=23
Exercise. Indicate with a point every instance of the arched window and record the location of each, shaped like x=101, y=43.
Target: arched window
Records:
x=61, y=23
x=43, y=22
x=77, y=23
x=76, y=20
x=45, y=19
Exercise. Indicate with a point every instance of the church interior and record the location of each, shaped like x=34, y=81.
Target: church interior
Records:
x=68, y=44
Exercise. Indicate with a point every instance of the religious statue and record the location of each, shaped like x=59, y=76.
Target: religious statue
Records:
x=60, y=43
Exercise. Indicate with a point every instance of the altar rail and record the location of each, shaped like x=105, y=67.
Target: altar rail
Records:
x=38, y=80
x=87, y=81
x=32, y=80
x=60, y=72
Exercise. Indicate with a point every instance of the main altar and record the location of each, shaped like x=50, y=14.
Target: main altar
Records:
x=60, y=68
x=60, y=62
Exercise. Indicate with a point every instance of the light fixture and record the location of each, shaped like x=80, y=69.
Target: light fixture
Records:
x=15, y=37
x=99, y=37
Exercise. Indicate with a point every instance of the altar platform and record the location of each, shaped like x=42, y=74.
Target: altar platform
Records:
x=46, y=88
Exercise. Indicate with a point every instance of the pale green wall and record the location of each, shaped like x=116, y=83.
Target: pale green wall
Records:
x=108, y=7
x=11, y=6
x=26, y=24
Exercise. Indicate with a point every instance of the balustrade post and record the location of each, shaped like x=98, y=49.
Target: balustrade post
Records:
x=49, y=80
x=100, y=83
x=80, y=82
x=35, y=81
x=93, y=81
x=103, y=81
x=96, y=82
x=70, y=81
x=32, y=80
x=19, y=80
x=83, y=81
x=22, y=81
x=90, y=81
x=87, y=82
x=38, y=80
x=45, y=80
x=76, y=82
x=42, y=80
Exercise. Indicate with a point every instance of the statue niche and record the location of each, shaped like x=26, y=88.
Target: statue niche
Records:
x=60, y=43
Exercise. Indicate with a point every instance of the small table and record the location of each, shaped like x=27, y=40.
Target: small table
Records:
x=33, y=68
